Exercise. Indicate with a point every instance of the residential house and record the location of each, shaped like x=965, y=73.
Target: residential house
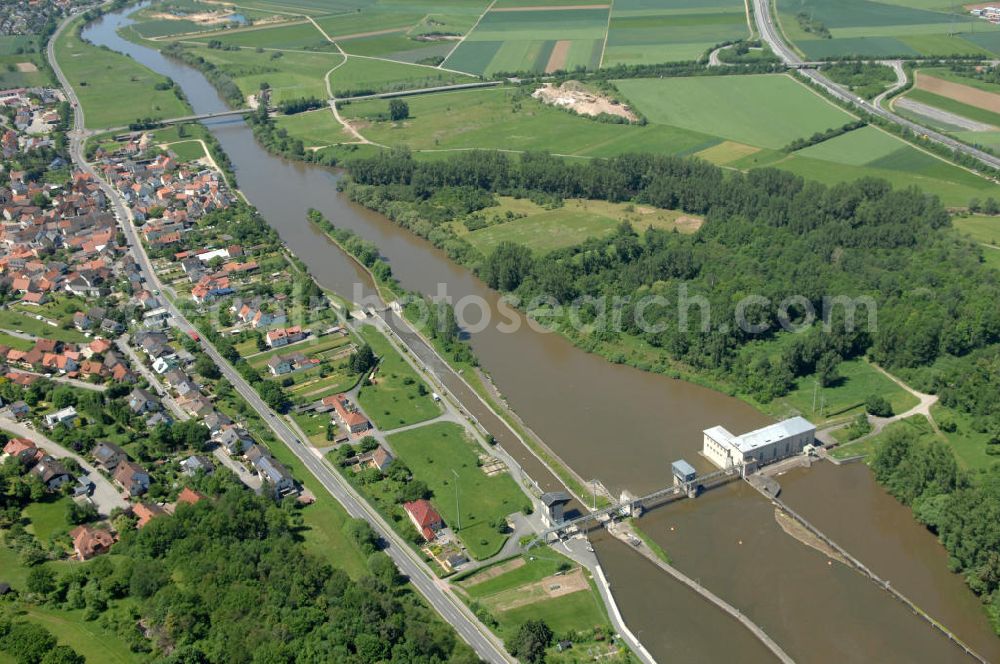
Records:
x=22, y=448
x=132, y=477
x=424, y=518
x=89, y=541
x=146, y=512
x=51, y=472
x=284, y=364
x=379, y=459
x=283, y=336
x=189, y=496
x=141, y=401
x=216, y=421
x=235, y=440
x=348, y=413
x=271, y=470
x=17, y=410
x=67, y=417
x=197, y=463
x=108, y=456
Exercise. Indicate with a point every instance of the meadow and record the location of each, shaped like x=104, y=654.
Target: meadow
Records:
x=301, y=35
x=653, y=31
x=433, y=452
x=94, y=71
x=980, y=228
x=544, y=230
x=880, y=29
x=766, y=111
x=513, y=581
x=395, y=399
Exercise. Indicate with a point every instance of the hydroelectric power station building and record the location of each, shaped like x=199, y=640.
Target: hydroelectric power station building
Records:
x=760, y=447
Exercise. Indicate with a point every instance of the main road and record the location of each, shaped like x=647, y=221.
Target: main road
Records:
x=771, y=34
x=437, y=593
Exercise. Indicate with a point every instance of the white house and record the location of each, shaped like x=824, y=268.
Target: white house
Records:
x=65, y=416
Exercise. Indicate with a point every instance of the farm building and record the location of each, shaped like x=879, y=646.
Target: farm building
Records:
x=760, y=447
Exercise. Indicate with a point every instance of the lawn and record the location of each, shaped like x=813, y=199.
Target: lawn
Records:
x=314, y=425
x=48, y=518
x=23, y=71
x=544, y=230
x=435, y=453
x=576, y=611
x=767, y=111
x=301, y=36
x=187, y=150
x=17, y=343
x=27, y=323
x=95, y=72
x=855, y=148
x=844, y=399
x=394, y=400
x=314, y=128
x=87, y=638
x=968, y=444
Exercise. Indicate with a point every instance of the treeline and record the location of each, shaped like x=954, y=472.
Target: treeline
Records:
x=222, y=81
x=300, y=105
x=821, y=136
x=229, y=580
x=767, y=232
x=963, y=511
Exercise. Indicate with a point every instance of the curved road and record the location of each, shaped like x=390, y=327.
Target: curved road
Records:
x=770, y=33
x=436, y=592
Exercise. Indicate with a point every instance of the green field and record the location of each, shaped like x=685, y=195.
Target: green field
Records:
x=855, y=148
x=544, y=230
x=766, y=111
x=12, y=320
x=394, y=400
x=93, y=72
x=844, y=399
x=362, y=76
x=654, y=31
x=436, y=451
x=881, y=29
x=48, y=518
x=581, y=610
x=980, y=228
x=301, y=36
x=512, y=41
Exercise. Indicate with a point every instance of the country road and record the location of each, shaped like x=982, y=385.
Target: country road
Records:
x=771, y=34
x=437, y=594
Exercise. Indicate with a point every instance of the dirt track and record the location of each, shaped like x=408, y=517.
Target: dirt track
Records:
x=962, y=93
x=548, y=8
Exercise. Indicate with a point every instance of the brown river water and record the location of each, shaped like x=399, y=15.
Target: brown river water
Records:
x=624, y=427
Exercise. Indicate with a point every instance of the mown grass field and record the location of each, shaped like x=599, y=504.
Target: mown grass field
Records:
x=394, y=400
x=301, y=35
x=48, y=518
x=362, y=76
x=544, y=230
x=654, y=31
x=292, y=75
x=980, y=228
x=766, y=111
x=844, y=399
x=882, y=29
x=32, y=53
x=580, y=610
x=95, y=72
x=26, y=323
x=435, y=453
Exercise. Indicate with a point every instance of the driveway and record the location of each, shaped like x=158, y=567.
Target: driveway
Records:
x=106, y=496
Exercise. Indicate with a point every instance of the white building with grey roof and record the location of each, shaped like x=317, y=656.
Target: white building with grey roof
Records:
x=760, y=447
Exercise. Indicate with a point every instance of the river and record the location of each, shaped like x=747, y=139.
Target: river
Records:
x=624, y=427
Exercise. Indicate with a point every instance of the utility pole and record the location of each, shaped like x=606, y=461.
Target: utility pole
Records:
x=815, y=389
x=458, y=511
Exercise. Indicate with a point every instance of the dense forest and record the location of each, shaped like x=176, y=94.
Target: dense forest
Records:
x=228, y=580
x=767, y=233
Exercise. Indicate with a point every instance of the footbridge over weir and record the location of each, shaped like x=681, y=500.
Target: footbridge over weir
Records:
x=631, y=506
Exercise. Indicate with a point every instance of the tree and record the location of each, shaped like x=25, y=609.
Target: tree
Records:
x=530, y=641
x=28, y=642
x=362, y=360
x=207, y=368
x=826, y=368
x=77, y=513
x=63, y=655
x=41, y=580
x=398, y=110
x=507, y=266
x=878, y=406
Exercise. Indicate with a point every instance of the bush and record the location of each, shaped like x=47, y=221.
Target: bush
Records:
x=878, y=406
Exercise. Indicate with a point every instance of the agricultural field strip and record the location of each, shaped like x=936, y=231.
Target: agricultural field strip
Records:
x=470, y=31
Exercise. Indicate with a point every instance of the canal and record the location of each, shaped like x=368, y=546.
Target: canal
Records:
x=624, y=427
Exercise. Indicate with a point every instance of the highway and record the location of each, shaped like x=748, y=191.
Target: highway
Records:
x=437, y=593
x=771, y=34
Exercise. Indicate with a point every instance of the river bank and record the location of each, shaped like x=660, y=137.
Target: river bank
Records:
x=607, y=421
